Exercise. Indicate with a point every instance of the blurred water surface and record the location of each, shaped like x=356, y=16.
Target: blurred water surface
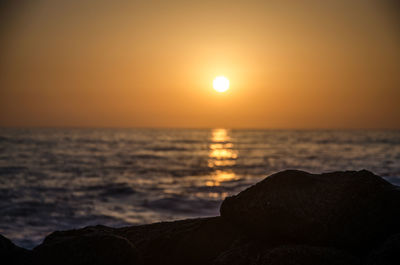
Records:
x=55, y=179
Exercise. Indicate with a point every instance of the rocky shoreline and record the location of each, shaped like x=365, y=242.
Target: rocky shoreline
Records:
x=291, y=217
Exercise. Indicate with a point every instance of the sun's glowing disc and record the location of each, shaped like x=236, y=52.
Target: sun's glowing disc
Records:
x=221, y=84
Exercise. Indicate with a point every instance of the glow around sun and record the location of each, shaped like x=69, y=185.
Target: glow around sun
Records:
x=221, y=84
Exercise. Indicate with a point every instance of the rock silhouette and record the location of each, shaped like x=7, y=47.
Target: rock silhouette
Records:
x=11, y=254
x=291, y=217
x=387, y=253
x=92, y=245
x=351, y=210
x=285, y=255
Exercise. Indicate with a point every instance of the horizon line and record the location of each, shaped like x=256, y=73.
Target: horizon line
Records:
x=207, y=128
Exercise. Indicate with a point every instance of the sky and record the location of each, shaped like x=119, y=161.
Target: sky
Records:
x=308, y=65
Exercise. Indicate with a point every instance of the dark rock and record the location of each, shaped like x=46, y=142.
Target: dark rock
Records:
x=307, y=255
x=387, y=254
x=241, y=253
x=285, y=255
x=193, y=241
x=11, y=254
x=92, y=245
x=353, y=210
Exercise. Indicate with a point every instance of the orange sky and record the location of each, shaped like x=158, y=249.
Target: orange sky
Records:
x=318, y=64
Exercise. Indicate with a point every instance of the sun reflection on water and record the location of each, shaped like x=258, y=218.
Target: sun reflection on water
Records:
x=219, y=177
x=222, y=154
x=221, y=149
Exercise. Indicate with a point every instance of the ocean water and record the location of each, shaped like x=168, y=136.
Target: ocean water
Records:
x=57, y=179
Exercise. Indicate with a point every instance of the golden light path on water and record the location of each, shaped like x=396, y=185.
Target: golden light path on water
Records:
x=221, y=153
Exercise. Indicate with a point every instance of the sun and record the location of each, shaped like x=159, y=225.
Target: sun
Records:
x=221, y=84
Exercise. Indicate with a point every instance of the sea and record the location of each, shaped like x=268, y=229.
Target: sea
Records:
x=58, y=179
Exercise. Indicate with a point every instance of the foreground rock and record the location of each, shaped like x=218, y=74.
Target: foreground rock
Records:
x=92, y=245
x=349, y=210
x=286, y=255
x=386, y=254
x=290, y=218
x=195, y=241
x=11, y=254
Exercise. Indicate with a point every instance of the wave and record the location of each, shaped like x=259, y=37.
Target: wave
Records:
x=168, y=149
x=180, y=204
x=12, y=170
